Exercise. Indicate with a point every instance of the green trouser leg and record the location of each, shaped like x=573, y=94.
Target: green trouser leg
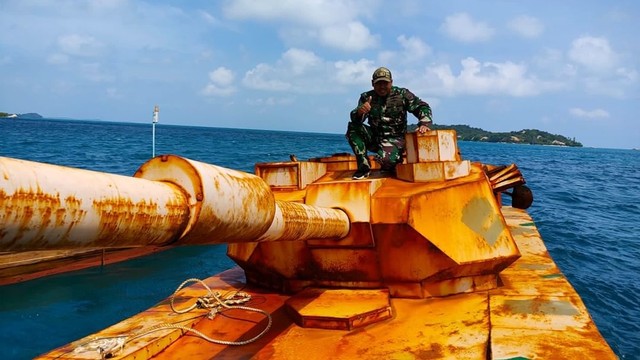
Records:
x=390, y=152
x=360, y=140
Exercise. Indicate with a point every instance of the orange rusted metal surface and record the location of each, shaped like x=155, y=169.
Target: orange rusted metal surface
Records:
x=450, y=234
x=536, y=313
x=226, y=202
x=45, y=206
x=432, y=146
x=238, y=207
x=350, y=309
x=545, y=320
x=170, y=200
x=290, y=175
x=425, y=264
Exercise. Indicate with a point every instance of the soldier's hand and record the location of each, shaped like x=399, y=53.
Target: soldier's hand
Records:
x=365, y=107
x=423, y=129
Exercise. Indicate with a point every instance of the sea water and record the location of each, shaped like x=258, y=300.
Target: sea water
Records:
x=586, y=206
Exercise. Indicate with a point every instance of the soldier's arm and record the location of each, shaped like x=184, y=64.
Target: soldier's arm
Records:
x=355, y=118
x=419, y=108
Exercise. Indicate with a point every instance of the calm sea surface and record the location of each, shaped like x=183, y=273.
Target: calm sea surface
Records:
x=587, y=208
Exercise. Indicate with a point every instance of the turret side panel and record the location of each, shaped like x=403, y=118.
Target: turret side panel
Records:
x=464, y=222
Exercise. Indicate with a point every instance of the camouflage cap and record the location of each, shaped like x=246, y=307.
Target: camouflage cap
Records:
x=381, y=74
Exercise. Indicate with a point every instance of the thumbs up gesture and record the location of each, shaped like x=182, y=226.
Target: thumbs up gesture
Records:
x=365, y=107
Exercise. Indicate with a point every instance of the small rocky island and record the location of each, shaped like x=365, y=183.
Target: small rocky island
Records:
x=526, y=136
x=20, y=116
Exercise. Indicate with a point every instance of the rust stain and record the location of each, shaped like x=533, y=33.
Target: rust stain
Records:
x=303, y=221
x=450, y=171
x=257, y=197
x=118, y=217
x=27, y=215
x=279, y=174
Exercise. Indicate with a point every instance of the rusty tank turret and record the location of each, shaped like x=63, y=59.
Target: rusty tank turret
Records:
x=410, y=261
x=435, y=229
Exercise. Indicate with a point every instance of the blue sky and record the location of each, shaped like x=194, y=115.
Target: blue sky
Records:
x=567, y=67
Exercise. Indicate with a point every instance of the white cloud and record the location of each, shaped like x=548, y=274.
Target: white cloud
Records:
x=590, y=114
x=220, y=83
x=526, y=26
x=106, y=4
x=351, y=72
x=486, y=78
x=113, y=93
x=265, y=77
x=462, y=27
x=630, y=75
x=414, y=48
x=352, y=36
x=552, y=61
x=80, y=45
x=297, y=70
x=58, y=59
x=216, y=90
x=300, y=61
x=409, y=8
x=306, y=12
x=601, y=70
x=387, y=57
x=304, y=72
x=332, y=23
x=413, y=51
x=119, y=29
x=271, y=101
x=209, y=18
x=615, y=87
x=222, y=76
x=95, y=72
x=594, y=53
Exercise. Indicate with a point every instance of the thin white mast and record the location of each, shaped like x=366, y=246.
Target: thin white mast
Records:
x=156, y=110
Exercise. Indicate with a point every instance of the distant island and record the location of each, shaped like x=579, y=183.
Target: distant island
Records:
x=20, y=116
x=526, y=136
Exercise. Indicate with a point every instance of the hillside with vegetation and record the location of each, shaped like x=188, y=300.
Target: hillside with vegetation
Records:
x=20, y=116
x=526, y=136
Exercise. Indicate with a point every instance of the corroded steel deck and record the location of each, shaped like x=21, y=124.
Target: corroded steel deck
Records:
x=534, y=313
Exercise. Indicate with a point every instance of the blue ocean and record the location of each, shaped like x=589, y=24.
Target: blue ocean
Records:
x=587, y=208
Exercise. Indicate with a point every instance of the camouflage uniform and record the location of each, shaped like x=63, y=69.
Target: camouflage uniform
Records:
x=387, y=126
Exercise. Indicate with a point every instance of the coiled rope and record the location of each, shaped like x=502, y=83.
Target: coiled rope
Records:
x=108, y=347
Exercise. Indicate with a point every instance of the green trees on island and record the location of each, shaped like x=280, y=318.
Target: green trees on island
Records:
x=526, y=136
x=21, y=116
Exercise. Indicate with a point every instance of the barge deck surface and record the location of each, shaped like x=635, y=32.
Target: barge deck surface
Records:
x=535, y=313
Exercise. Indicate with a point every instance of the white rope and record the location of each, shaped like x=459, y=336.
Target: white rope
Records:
x=108, y=347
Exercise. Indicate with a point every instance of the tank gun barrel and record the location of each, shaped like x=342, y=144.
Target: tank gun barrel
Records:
x=169, y=200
